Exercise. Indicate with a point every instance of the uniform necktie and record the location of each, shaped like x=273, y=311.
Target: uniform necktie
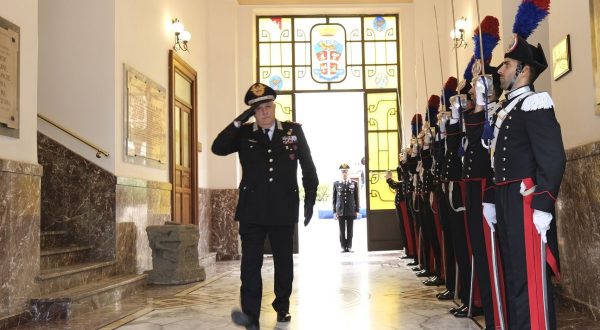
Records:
x=267, y=133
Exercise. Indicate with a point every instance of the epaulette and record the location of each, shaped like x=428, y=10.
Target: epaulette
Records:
x=248, y=123
x=292, y=122
x=537, y=101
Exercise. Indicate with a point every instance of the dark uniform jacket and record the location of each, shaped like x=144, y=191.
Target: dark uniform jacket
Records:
x=529, y=145
x=398, y=186
x=345, y=198
x=428, y=176
x=451, y=169
x=269, y=188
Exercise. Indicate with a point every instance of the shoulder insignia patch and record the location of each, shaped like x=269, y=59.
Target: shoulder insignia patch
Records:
x=537, y=101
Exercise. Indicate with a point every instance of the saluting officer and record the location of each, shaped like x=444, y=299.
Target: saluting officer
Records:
x=269, y=151
x=345, y=206
x=529, y=162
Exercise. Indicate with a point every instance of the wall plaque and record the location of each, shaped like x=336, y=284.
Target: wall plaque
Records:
x=9, y=78
x=146, y=120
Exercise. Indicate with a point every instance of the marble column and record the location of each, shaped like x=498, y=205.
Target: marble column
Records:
x=20, y=186
x=577, y=213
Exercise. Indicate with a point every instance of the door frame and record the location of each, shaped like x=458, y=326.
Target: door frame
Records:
x=177, y=64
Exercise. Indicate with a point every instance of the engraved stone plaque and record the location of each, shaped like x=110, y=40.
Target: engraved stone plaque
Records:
x=9, y=78
x=146, y=120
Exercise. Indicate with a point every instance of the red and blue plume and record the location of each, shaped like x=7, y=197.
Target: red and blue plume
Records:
x=449, y=90
x=490, y=37
x=529, y=15
x=415, y=124
x=468, y=75
x=433, y=106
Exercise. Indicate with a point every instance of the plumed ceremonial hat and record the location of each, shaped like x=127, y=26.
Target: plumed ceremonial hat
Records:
x=259, y=93
x=529, y=15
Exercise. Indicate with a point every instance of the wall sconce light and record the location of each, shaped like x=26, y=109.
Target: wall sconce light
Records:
x=458, y=33
x=181, y=35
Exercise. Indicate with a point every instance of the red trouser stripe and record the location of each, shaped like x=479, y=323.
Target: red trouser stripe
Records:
x=463, y=195
x=410, y=247
x=488, y=247
x=533, y=259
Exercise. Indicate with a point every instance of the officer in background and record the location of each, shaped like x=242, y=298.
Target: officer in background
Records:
x=345, y=206
x=529, y=162
x=269, y=151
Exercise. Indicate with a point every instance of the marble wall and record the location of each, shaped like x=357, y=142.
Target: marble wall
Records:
x=78, y=197
x=223, y=228
x=578, y=211
x=19, y=234
x=139, y=204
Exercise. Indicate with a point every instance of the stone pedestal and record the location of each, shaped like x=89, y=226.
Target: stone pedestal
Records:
x=174, y=254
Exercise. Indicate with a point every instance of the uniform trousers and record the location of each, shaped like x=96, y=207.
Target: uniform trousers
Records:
x=445, y=221
x=476, y=227
x=456, y=219
x=346, y=225
x=509, y=213
x=282, y=243
x=431, y=244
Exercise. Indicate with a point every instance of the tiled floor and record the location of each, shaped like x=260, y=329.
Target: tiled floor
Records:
x=332, y=290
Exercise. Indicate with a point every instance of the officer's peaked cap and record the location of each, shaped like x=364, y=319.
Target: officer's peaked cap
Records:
x=259, y=93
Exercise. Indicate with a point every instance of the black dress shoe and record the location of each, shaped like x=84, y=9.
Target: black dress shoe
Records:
x=283, y=317
x=456, y=309
x=434, y=281
x=446, y=295
x=424, y=273
x=441, y=293
x=406, y=257
x=242, y=319
x=417, y=269
x=414, y=263
x=465, y=312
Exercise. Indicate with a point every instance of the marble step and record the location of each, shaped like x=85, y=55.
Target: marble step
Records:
x=62, y=278
x=84, y=298
x=63, y=256
x=53, y=239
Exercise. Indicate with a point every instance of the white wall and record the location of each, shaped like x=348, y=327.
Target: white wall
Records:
x=24, y=13
x=142, y=40
x=76, y=76
x=573, y=94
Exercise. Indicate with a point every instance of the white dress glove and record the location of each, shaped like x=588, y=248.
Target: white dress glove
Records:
x=542, y=220
x=489, y=213
x=480, y=88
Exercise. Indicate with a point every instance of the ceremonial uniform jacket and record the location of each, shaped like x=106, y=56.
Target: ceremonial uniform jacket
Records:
x=412, y=163
x=398, y=186
x=439, y=149
x=529, y=145
x=451, y=169
x=345, y=198
x=268, y=191
x=428, y=175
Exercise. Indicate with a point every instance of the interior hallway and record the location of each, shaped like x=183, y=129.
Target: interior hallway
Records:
x=332, y=290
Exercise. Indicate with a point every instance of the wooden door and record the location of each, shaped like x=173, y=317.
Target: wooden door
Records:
x=184, y=154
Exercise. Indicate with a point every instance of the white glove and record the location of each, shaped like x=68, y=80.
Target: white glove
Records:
x=489, y=213
x=427, y=139
x=542, y=220
x=442, y=124
x=480, y=97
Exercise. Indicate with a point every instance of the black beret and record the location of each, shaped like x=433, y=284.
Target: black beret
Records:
x=259, y=93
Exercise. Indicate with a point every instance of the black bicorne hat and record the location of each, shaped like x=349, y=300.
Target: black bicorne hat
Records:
x=259, y=93
x=521, y=50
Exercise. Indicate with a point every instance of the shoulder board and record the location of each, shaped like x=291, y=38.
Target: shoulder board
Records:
x=537, y=101
x=292, y=122
x=248, y=123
